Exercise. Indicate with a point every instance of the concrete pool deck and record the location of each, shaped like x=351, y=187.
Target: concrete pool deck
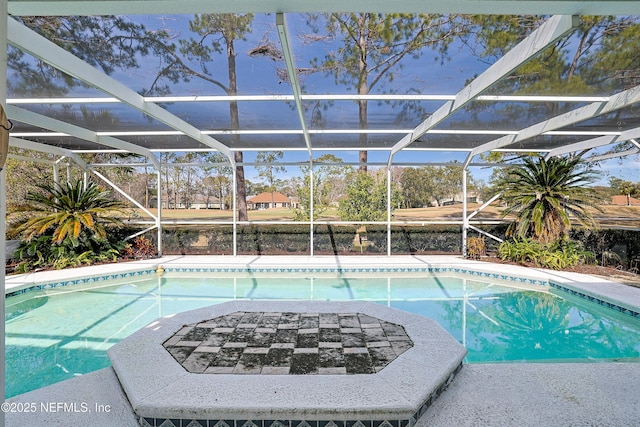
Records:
x=481, y=394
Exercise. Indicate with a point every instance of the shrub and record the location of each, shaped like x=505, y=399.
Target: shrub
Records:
x=41, y=252
x=425, y=240
x=476, y=247
x=333, y=239
x=556, y=255
x=140, y=248
x=66, y=226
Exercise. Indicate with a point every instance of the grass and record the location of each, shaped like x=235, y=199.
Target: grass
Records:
x=625, y=216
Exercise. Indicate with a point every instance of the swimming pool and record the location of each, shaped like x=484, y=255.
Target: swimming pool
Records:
x=58, y=333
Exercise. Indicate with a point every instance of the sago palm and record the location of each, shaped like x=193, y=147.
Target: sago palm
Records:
x=545, y=195
x=69, y=211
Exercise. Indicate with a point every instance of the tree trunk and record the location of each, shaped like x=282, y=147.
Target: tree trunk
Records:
x=363, y=136
x=363, y=89
x=235, y=124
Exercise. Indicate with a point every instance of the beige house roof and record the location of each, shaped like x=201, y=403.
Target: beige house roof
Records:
x=275, y=197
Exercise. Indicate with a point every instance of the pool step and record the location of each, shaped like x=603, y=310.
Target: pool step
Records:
x=394, y=393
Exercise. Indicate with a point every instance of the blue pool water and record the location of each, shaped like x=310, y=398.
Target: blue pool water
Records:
x=60, y=333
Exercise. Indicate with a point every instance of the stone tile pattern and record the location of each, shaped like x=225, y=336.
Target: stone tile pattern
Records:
x=288, y=343
x=167, y=422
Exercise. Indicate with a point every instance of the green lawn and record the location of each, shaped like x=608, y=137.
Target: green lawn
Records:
x=612, y=215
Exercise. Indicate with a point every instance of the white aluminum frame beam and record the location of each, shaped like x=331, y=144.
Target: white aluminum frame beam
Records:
x=287, y=53
x=3, y=206
x=39, y=47
x=613, y=155
x=35, y=119
x=596, y=142
x=144, y=7
x=309, y=97
x=620, y=100
x=547, y=34
x=50, y=149
x=125, y=195
x=318, y=132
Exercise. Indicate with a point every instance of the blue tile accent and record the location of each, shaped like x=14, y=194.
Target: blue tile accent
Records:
x=146, y=422
x=594, y=299
x=245, y=270
x=167, y=422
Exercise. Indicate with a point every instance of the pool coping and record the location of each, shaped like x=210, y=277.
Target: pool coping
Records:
x=619, y=297
x=160, y=389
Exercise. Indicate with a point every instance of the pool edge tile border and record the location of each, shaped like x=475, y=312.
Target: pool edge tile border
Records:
x=482, y=270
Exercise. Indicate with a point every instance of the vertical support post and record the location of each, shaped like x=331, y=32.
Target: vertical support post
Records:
x=389, y=211
x=235, y=213
x=3, y=259
x=56, y=174
x=85, y=177
x=159, y=216
x=311, y=206
x=465, y=301
x=465, y=219
x=3, y=200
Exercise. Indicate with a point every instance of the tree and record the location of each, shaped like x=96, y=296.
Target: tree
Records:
x=268, y=168
x=66, y=225
x=24, y=177
x=372, y=47
x=446, y=182
x=599, y=57
x=187, y=176
x=416, y=188
x=599, y=54
x=422, y=185
x=218, y=173
x=546, y=194
x=328, y=185
x=217, y=34
x=624, y=187
x=107, y=42
x=366, y=199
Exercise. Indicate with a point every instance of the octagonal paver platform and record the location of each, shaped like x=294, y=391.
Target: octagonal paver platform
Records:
x=288, y=343
x=286, y=364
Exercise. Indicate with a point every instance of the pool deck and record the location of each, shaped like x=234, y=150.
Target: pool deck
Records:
x=603, y=394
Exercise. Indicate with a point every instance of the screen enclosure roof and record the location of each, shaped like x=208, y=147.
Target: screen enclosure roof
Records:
x=435, y=109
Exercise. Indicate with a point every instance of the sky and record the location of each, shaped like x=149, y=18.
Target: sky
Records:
x=256, y=76
x=427, y=74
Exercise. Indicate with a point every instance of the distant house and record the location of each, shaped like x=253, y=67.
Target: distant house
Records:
x=270, y=201
x=621, y=200
x=199, y=201
x=472, y=197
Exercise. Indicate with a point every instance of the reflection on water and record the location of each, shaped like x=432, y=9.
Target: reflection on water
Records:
x=66, y=332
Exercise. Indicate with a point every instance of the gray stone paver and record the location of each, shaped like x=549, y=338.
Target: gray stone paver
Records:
x=298, y=343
